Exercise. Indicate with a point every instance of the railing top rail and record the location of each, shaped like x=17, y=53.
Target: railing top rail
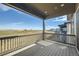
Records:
x=62, y=34
x=13, y=36
x=67, y=34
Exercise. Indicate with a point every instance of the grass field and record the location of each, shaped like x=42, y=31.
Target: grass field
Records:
x=16, y=32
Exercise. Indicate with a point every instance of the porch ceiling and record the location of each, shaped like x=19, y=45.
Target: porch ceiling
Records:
x=45, y=10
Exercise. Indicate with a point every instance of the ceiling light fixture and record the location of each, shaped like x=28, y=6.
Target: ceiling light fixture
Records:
x=62, y=5
x=45, y=12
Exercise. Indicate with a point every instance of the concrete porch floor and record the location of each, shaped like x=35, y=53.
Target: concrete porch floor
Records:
x=49, y=48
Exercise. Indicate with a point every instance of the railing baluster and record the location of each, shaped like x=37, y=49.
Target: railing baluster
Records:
x=1, y=45
x=14, y=42
x=7, y=44
x=10, y=43
x=4, y=45
x=22, y=41
x=17, y=41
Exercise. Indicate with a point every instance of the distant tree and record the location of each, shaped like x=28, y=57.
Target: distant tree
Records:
x=25, y=29
x=52, y=29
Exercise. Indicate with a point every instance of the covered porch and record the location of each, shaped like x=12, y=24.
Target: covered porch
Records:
x=45, y=43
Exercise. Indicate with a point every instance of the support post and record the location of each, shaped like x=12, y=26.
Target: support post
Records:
x=43, y=29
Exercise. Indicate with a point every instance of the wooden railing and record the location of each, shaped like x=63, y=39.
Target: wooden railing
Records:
x=14, y=42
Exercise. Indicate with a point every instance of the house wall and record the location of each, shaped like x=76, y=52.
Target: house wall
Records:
x=77, y=26
x=71, y=29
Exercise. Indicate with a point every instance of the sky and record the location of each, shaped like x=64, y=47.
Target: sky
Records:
x=13, y=19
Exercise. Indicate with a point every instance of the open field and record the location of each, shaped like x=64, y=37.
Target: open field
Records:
x=17, y=32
